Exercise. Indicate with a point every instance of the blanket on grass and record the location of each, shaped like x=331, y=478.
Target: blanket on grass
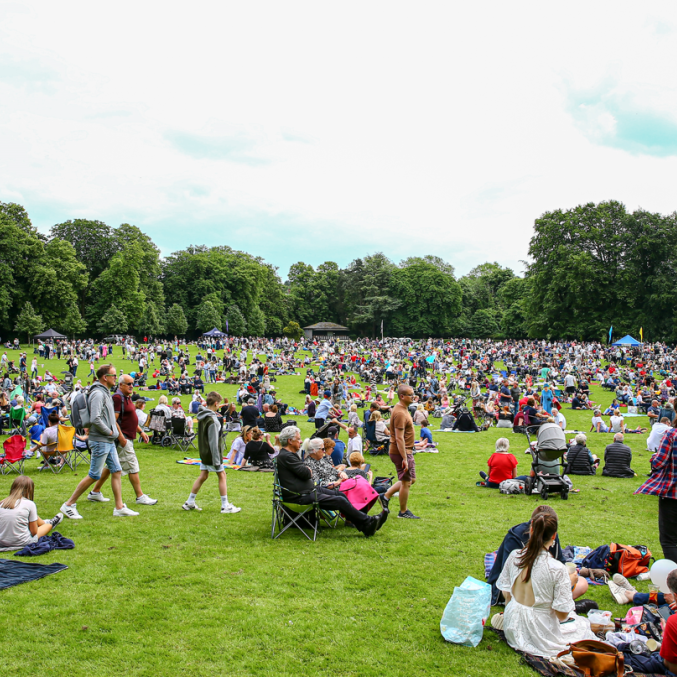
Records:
x=544, y=667
x=14, y=572
x=196, y=461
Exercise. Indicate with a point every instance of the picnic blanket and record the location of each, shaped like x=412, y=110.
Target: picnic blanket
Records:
x=44, y=544
x=196, y=461
x=13, y=572
x=544, y=667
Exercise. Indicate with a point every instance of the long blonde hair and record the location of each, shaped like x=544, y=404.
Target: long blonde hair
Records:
x=22, y=487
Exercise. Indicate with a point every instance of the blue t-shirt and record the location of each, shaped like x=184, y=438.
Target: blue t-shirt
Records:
x=427, y=435
x=337, y=454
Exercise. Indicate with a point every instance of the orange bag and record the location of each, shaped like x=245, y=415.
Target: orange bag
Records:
x=596, y=659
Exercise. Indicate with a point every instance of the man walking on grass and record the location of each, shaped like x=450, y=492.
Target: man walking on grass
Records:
x=128, y=426
x=211, y=455
x=402, y=440
x=103, y=432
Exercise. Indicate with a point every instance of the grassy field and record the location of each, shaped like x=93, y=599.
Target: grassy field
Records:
x=184, y=593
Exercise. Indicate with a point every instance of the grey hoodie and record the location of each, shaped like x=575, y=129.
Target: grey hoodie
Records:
x=103, y=427
x=208, y=437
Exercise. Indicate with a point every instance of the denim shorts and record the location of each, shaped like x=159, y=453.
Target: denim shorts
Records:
x=103, y=453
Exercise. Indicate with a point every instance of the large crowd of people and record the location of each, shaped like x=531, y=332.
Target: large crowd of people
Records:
x=379, y=393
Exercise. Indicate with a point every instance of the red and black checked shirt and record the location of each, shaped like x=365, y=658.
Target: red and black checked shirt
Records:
x=663, y=480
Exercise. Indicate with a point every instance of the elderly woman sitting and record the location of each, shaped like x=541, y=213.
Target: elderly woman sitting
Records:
x=178, y=412
x=597, y=424
x=502, y=465
x=580, y=460
x=324, y=471
x=381, y=428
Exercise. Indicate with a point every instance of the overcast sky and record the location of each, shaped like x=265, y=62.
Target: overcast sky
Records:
x=321, y=131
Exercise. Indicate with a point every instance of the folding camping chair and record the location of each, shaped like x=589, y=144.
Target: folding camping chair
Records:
x=179, y=434
x=13, y=458
x=45, y=412
x=17, y=418
x=62, y=451
x=287, y=513
x=78, y=454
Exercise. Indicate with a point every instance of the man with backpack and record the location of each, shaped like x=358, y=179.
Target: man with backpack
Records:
x=99, y=416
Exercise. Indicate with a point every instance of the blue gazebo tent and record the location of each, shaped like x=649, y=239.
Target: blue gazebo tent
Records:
x=215, y=333
x=627, y=340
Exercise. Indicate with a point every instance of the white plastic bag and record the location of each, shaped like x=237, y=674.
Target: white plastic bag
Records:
x=466, y=613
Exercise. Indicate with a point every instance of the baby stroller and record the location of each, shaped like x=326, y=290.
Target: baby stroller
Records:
x=158, y=423
x=546, y=456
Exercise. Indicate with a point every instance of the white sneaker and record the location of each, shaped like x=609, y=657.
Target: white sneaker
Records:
x=619, y=594
x=230, y=508
x=191, y=506
x=97, y=496
x=146, y=500
x=622, y=582
x=124, y=512
x=70, y=511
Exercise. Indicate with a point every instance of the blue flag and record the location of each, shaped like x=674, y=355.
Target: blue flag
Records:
x=611, y=329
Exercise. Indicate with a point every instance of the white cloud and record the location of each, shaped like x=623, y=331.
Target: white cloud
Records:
x=429, y=128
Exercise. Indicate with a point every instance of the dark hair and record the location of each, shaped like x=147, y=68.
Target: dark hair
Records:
x=103, y=370
x=53, y=418
x=671, y=581
x=543, y=528
x=530, y=402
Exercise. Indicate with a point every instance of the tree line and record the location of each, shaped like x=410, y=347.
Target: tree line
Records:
x=590, y=267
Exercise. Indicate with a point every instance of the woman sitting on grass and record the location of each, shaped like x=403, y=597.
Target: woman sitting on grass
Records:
x=501, y=464
x=258, y=451
x=598, y=424
x=19, y=521
x=539, y=616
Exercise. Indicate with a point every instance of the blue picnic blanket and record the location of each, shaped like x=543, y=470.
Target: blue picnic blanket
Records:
x=13, y=572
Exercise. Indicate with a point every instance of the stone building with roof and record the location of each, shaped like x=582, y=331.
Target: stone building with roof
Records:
x=326, y=330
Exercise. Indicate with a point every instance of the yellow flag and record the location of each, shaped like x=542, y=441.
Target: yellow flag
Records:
x=641, y=334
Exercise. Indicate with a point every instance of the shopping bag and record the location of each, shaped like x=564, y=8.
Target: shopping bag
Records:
x=466, y=613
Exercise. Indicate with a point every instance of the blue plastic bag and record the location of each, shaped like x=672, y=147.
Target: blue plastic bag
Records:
x=466, y=613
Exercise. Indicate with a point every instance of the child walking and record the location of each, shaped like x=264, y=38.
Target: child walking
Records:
x=211, y=458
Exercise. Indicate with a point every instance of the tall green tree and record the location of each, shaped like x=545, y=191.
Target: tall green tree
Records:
x=120, y=285
x=177, y=324
x=112, y=322
x=430, y=300
x=29, y=322
x=93, y=242
x=237, y=325
x=208, y=317
x=578, y=272
x=152, y=323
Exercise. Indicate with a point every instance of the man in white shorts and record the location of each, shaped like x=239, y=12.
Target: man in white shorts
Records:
x=128, y=425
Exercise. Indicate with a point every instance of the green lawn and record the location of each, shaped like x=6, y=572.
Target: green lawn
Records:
x=177, y=593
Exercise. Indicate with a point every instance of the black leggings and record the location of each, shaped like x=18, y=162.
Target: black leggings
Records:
x=667, y=527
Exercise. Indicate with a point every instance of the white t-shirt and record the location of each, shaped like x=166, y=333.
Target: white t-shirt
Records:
x=354, y=444
x=616, y=424
x=142, y=416
x=14, y=529
x=596, y=420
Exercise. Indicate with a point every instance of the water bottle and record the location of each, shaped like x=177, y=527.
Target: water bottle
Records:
x=644, y=577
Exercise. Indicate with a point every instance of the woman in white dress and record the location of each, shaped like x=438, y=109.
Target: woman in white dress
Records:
x=539, y=616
